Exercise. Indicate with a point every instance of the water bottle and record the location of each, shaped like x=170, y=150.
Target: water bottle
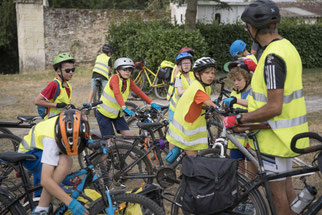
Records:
x=173, y=154
x=303, y=199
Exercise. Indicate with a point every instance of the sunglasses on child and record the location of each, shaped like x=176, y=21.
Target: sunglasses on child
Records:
x=69, y=70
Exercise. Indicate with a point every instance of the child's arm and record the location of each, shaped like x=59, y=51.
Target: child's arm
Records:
x=139, y=92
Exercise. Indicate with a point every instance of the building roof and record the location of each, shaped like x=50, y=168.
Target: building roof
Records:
x=300, y=9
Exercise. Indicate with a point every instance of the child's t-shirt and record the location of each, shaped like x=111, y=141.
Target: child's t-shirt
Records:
x=51, y=152
x=196, y=106
x=49, y=92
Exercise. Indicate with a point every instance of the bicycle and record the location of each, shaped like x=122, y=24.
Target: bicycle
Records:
x=109, y=203
x=24, y=122
x=250, y=191
x=142, y=73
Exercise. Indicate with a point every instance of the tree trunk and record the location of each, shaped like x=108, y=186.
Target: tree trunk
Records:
x=191, y=15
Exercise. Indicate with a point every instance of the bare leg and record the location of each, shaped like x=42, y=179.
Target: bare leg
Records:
x=191, y=153
x=64, y=166
x=280, y=197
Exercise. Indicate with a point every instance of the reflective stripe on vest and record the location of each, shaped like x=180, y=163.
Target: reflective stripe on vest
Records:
x=101, y=65
x=61, y=98
x=110, y=107
x=293, y=119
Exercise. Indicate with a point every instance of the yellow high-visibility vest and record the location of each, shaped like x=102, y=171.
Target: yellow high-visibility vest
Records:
x=110, y=107
x=293, y=119
x=101, y=65
x=186, y=135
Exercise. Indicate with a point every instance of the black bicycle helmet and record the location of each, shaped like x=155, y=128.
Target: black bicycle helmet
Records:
x=261, y=13
x=203, y=63
x=107, y=48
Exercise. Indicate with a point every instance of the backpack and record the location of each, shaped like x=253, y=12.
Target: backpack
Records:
x=42, y=111
x=209, y=185
x=165, y=70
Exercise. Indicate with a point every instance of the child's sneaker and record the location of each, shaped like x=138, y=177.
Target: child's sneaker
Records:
x=40, y=213
x=249, y=208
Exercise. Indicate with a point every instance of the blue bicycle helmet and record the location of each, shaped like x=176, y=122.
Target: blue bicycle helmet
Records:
x=236, y=47
x=183, y=55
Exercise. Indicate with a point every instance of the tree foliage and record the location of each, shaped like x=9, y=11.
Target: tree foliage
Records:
x=8, y=38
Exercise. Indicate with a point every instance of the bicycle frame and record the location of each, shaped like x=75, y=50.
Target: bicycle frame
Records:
x=146, y=71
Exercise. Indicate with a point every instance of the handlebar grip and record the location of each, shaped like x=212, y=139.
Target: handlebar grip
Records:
x=308, y=149
x=93, y=144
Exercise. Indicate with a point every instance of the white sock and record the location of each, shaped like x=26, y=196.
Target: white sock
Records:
x=38, y=209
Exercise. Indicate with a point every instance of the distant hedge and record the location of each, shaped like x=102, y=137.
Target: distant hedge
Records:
x=155, y=41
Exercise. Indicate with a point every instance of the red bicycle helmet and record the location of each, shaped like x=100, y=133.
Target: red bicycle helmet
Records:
x=187, y=49
x=71, y=132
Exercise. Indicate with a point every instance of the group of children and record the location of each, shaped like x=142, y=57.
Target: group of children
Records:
x=66, y=130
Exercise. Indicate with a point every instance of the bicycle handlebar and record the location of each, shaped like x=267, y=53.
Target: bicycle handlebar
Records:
x=308, y=149
x=224, y=111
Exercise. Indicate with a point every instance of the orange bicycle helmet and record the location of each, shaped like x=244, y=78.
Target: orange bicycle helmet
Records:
x=71, y=132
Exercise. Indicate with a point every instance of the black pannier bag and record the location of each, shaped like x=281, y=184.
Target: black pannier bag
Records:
x=165, y=70
x=209, y=185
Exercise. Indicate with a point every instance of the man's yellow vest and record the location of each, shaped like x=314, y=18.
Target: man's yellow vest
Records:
x=171, y=86
x=293, y=119
x=110, y=107
x=185, y=85
x=242, y=139
x=101, y=65
x=62, y=97
x=185, y=135
x=34, y=138
x=252, y=57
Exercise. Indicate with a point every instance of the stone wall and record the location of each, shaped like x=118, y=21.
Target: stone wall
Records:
x=44, y=32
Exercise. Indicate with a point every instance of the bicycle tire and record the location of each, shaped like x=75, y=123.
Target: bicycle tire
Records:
x=139, y=78
x=162, y=90
x=5, y=198
x=255, y=197
x=97, y=96
x=5, y=131
x=9, y=142
x=147, y=206
x=214, y=129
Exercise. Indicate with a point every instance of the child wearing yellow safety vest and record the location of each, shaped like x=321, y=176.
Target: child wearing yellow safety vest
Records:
x=57, y=95
x=240, y=72
x=188, y=129
x=115, y=95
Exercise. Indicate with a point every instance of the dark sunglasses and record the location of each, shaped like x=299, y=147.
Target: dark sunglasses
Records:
x=69, y=70
x=126, y=69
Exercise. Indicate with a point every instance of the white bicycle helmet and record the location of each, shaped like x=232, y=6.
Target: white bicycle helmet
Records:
x=203, y=63
x=123, y=62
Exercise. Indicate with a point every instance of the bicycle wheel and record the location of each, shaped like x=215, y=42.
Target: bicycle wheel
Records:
x=116, y=162
x=161, y=90
x=255, y=200
x=139, y=78
x=5, y=199
x=12, y=180
x=5, y=131
x=214, y=129
x=97, y=96
x=128, y=203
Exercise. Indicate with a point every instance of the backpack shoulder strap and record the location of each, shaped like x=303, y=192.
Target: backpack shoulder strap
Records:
x=57, y=90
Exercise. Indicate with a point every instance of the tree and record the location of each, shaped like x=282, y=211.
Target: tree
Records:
x=191, y=11
x=8, y=38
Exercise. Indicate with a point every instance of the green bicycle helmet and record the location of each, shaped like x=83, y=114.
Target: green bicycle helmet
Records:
x=61, y=58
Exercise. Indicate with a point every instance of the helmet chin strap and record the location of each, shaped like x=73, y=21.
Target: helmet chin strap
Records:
x=202, y=83
x=244, y=88
x=61, y=76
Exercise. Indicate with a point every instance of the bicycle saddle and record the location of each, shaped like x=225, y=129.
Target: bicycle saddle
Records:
x=148, y=126
x=14, y=157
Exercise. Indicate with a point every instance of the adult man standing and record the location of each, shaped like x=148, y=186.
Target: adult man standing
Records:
x=276, y=97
